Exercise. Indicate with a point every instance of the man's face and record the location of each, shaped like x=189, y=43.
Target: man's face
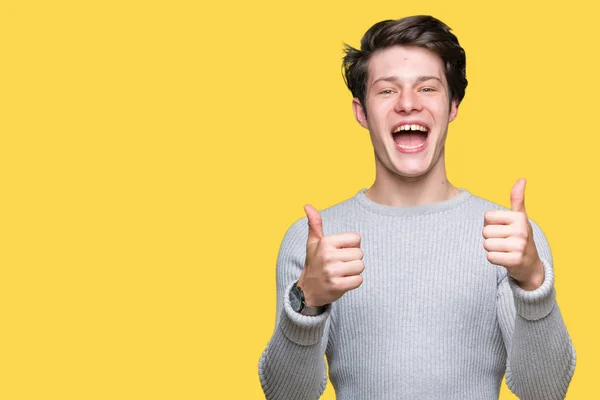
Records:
x=408, y=110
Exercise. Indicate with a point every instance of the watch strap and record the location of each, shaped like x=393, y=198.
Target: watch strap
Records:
x=305, y=309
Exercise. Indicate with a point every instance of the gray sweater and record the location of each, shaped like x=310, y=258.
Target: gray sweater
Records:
x=433, y=318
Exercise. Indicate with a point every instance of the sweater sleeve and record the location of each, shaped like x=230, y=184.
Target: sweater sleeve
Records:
x=540, y=354
x=292, y=366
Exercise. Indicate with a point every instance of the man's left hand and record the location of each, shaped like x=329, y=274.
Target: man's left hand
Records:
x=509, y=241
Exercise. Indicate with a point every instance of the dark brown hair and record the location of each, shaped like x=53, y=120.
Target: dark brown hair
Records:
x=419, y=30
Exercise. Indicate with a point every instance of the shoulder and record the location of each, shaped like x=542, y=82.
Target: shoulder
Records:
x=336, y=212
x=336, y=218
x=483, y=204
x=538, y=233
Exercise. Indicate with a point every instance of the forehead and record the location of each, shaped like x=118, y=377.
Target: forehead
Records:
x=406, y=63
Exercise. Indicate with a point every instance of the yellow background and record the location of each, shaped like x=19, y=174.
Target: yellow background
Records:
x=153, y=154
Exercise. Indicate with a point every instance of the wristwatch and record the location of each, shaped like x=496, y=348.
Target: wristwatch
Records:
x=298, y=304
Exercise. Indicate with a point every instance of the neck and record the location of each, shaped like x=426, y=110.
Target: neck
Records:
x=391, y=189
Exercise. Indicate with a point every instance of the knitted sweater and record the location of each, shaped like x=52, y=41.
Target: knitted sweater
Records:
x=433, y=318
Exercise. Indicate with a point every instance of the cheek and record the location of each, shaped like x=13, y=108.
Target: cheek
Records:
x=375, y=122
x=442, y=117
x=436, y=104
x=379, y=114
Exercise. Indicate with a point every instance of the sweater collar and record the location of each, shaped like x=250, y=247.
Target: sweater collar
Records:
x=430, y=208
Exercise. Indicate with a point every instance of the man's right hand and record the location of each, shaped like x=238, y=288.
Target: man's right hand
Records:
x=333, y=263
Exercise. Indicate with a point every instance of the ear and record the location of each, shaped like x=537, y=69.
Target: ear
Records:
x=453, y=110
x=359, y=113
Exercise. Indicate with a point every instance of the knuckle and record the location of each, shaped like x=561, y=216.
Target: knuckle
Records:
x=519, y=259
x=336, y=285
x=328, y=272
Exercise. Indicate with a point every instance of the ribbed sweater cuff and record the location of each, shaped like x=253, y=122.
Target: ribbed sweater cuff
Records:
x=535, y=304
x=304, y=330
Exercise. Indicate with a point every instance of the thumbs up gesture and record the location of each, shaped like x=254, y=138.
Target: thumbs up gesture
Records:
x=509, y=241
x=333, y=263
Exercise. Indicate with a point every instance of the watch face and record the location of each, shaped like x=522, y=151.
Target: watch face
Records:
x=295, y=299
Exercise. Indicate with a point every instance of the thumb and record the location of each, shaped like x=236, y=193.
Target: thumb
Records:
x=517, y=196
x=315, y=224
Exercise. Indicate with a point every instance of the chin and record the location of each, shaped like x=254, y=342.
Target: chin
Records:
x=411, y=175
x=411, y=171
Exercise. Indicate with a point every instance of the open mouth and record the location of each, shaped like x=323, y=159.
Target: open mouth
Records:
x=410, y=136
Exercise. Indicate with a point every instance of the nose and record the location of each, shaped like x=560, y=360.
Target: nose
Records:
x=408, y=101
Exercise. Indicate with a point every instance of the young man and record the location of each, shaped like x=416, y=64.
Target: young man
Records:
x=415, y=289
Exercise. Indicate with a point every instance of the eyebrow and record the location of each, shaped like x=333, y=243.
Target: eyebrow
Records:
x=420, y=79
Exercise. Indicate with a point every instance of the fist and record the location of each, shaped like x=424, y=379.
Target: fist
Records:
x=333, y=263
x=509, y=241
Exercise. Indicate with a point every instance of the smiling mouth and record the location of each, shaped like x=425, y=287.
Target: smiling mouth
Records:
x=410, y=137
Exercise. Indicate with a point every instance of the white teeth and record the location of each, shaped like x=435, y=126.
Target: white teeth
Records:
x=412, y=127
x=411, y=147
